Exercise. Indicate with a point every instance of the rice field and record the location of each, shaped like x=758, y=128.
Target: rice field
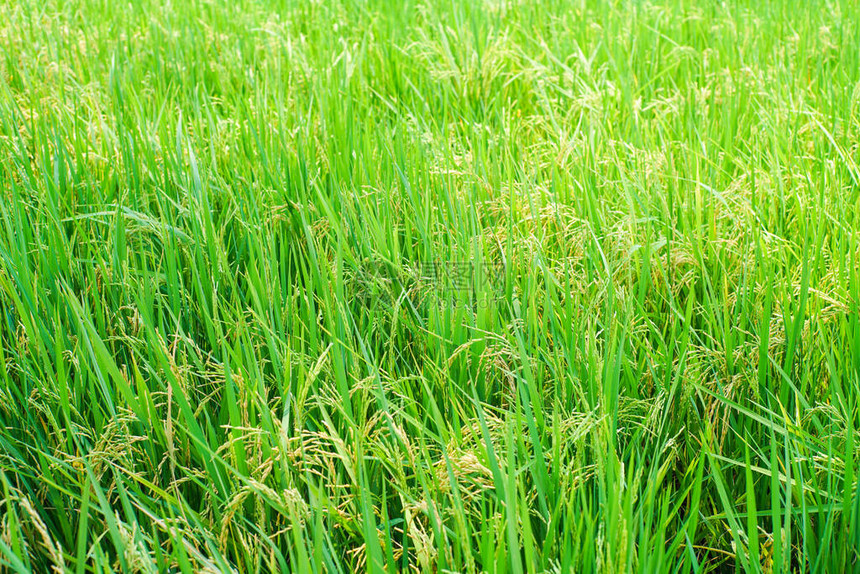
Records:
x=429, y=286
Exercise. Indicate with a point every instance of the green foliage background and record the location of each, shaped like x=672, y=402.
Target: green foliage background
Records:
x=220, y=352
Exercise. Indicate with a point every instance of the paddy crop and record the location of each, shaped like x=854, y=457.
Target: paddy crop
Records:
x=429, y=285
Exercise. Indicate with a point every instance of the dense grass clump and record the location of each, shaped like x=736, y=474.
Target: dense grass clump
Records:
x=429, y=285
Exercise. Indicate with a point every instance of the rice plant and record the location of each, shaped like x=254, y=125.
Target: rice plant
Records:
x=429, y=286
